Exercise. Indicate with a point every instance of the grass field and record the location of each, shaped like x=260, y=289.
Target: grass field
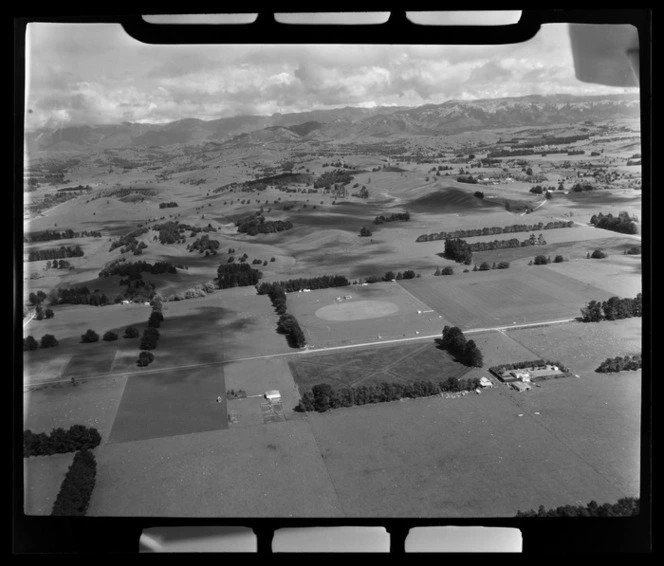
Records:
x=583, y=346
x=501, y=297
x=215, y=474
x=476, y=457
x=405, y=322
x=400, y=363
x=90, y=403
x=170, y=403
x=42, y=478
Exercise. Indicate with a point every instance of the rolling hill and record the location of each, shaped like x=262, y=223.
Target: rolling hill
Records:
x=451, y=117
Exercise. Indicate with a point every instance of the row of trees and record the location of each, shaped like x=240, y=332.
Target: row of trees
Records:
x=59, y=441
x=390, y=276
x=55, y=253
x=237, y=275
x=447, y=270
x=625, y=363
x=133, y=270
x=615, y=308
x=256, y=224
x=625, y=507
x=58, y=264
x=47, y=341
x=488, y=231
x=467, y=179
x=171, y=204
x=511, y=243
x=395, y=217
x=486, y=266
x=78, y=296
x=287, y=324
x=48, y=235
x=543, y=260
x=465, y=351
x=77, y=487
x=292, y=285
x=324, y=397
x=622, y=223
x=499, y=369
x=128, y=241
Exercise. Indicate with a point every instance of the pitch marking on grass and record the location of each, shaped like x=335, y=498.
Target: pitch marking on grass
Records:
x=356, y=310
x=296, y=353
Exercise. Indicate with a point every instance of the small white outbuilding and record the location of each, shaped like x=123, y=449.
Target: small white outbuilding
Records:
x=273, y=396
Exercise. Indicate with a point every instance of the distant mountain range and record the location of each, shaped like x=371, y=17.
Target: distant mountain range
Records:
x=451, y=117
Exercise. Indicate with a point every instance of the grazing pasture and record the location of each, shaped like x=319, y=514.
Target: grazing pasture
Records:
x=273, y=470
x=502, y=297
x=476, y=457
x=400, y=363
x=338, y=324
x=583, y=346
x=170, y=403
x=90, y=403
x=42, y=478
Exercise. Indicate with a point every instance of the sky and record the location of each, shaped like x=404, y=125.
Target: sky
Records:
x=89, y=74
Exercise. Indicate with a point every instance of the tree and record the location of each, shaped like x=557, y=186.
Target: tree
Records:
x=592, y=312
x=437, y=272
x=558, y=259
x=145, y=358
x=540, y=260
x=322, y=393
x=90, y=336
x=503, y=264
x=48, y=313
x=365, y=232
x=472, y=355
x=155, y=319
x=110, y=336
x=447, y=270
x=48, y=341
x=484, y=266
x=29, y=343
x=39, y=312
x=389, y=275
x=131, y=332
x=598, y=254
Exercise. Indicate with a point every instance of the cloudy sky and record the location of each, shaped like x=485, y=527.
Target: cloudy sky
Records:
x=79, y=74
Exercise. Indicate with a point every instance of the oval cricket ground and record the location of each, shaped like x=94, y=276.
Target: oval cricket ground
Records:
x=356, y=310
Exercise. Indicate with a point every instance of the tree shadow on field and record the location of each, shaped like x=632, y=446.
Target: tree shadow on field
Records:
x=439, y=346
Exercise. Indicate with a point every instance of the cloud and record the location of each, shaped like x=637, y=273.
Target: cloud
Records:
x=79, y=73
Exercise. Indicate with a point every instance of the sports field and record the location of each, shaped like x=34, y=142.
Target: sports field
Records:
x=501, y=297
x=400, y=363
x=170, y=403
x=376, y=312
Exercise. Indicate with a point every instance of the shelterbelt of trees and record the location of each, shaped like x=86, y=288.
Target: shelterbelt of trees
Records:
x=461, y=251
x=396, y=217
x=60, y=441
x=256, y=224
x=134, y=269
x=617, y=364
x=324, y=397
x=614, y=308
x=292, y=285
x=625, y=507
x=55, y=253
x=237, y=275
x=622, y=223
x=495, y=230
x=288, y=324
x=48, y=235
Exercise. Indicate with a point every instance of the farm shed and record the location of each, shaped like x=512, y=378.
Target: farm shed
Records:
x=485, y=382
x=273, y=396
x=520, y=386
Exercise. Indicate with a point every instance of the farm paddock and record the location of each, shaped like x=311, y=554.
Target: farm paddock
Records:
x=402, y=363
x=502, y=297
x=381, y=311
